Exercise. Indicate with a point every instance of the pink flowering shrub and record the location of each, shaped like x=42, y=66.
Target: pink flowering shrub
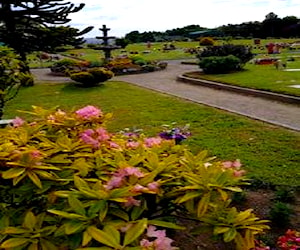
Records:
x=66, y=182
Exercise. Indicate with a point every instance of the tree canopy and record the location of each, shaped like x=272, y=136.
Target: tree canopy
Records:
x=23, y=23
x=271, y=26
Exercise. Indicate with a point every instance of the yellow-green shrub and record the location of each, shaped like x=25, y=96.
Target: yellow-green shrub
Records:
x=68, y=183
x=206, y=41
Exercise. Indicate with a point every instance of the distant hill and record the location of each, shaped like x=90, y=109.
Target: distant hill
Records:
x=97, y=41
x=92, y=41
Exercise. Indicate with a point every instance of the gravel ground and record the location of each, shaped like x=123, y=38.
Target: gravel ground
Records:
x=278, y=113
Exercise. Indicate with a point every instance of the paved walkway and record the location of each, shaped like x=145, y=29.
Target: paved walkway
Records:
x=285, y=115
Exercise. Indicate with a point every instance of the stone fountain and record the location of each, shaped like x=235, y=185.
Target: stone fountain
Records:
x=106, y=47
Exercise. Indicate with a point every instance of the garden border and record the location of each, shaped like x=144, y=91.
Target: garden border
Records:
x=240, y=90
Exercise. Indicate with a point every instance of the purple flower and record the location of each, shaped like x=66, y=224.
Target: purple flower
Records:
x=176, y=134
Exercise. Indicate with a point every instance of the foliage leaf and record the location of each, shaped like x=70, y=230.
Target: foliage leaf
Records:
x=14, y=230
x=66, y=215
x=14, y=242
x=103, y=237
x=113, y=231
x=76, y=205
x=229, y=235
x=13, y=173
x=47, y=245
x=165, y=224
x=203, y=205
x=29, y=221
x=86, y=238
x=188, y=196
x=35, y=179
x=135, y=231
x=72, y=227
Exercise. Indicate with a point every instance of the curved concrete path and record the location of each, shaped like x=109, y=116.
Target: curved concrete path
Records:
x=278, y=113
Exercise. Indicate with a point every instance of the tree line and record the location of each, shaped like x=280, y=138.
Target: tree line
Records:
x=271, y=26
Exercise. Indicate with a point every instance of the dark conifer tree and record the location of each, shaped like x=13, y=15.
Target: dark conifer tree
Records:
x=21, y=21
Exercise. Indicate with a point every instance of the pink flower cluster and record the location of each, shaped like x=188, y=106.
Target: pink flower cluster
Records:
x=89, y=112
x=162, y=242
x=17, y=122
x=152, y=141
x=152, y=187
x=132, y=144
x=119, y=178
x=94, y=137
x=236, y=166
x=289, y=241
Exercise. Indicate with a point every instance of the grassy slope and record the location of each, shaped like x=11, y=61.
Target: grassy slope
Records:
x=270, y=154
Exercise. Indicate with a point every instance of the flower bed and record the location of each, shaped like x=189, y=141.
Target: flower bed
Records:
x=265, y=61
x=68, y=183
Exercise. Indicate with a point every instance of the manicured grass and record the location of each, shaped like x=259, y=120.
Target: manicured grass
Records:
x=270, y=154
x=263, y=77
x=156, y=52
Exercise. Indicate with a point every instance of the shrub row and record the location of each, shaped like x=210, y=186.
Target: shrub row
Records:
x=224, y=59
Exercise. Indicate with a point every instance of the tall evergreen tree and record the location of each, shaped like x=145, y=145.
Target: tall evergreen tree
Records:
x=21, y=21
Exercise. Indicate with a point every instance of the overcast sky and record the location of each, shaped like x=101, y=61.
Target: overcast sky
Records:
x=124, y=16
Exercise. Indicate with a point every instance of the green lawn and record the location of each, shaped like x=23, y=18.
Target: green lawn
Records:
x=263, y=77
x=270, y=154
x=158, y=54
x=156, y=51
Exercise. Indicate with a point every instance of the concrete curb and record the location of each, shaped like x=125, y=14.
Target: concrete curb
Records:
x=241, y=90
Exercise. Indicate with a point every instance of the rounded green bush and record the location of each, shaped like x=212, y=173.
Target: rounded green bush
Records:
x=92, y=76
x=101, y=74
x=219, y=64
x=85, y=78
